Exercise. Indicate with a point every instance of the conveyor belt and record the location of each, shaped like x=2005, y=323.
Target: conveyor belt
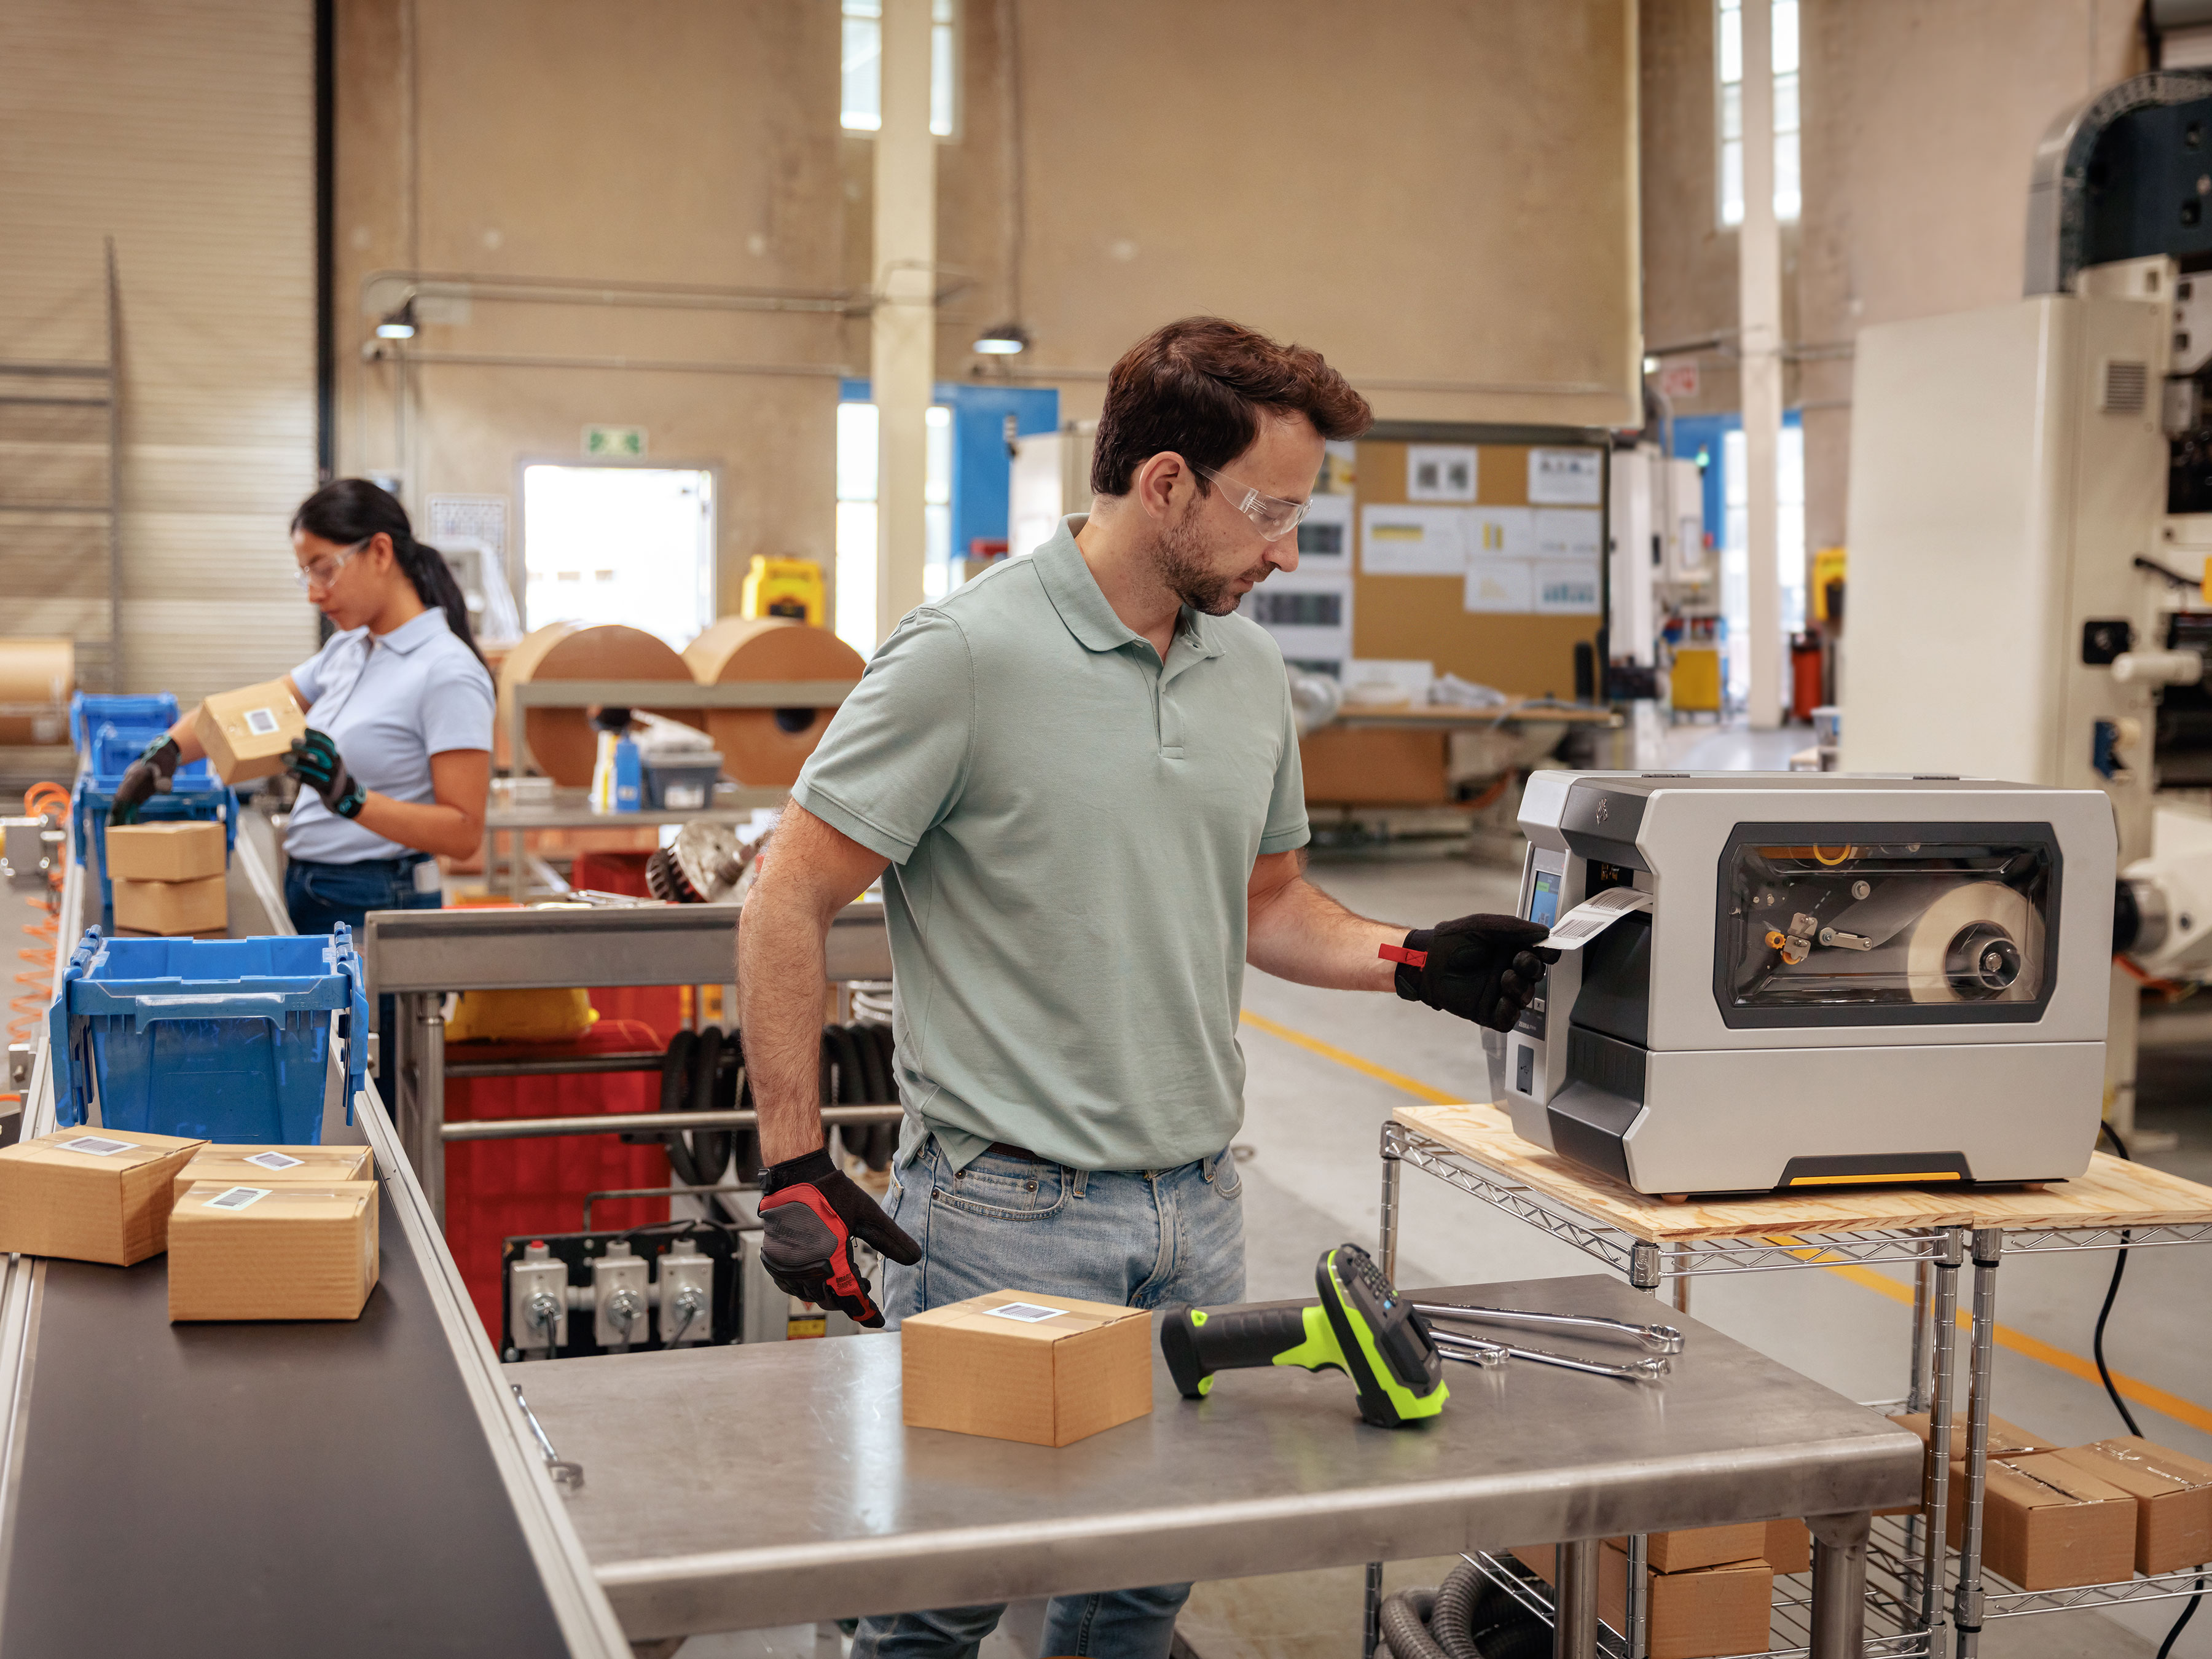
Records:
x=337, y=1488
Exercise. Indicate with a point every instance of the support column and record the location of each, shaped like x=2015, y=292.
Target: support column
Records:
x=1759, y=305
x=903, y=339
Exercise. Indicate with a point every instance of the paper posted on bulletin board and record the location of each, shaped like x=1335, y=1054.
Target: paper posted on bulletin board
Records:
x=1531, y=560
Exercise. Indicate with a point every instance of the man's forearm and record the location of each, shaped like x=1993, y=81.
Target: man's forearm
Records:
x=1301, y=934
x=781, y=968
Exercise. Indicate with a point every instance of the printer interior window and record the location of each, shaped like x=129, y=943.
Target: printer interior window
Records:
x=1836, y=919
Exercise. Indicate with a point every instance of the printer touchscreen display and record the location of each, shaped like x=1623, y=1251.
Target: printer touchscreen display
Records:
x=1544, y=898
x=1847, y=921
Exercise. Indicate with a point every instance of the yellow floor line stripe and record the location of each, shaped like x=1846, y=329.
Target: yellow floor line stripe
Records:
x=2142, y=1393
x=1345, y=1057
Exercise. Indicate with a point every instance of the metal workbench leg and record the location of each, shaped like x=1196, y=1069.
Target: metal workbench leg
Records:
x=1638, y=1596
x=1839, y=1561
x=1989, y=1250
x=1373, y=1625
x=1916, y=1399
x=1944, y=1348
x=430, y=1104
x=1575, y=1635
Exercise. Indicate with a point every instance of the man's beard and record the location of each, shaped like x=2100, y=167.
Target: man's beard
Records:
x=1182, y=565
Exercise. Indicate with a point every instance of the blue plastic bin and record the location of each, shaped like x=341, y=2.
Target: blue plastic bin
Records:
x=227, y=1040
x=91, y=805
x=154, y=712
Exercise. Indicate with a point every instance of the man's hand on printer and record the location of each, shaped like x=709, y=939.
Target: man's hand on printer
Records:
x=1485, y=969
x=811, y=1212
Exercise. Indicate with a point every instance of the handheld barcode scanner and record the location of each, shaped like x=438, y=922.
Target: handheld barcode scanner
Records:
x=1359, y=1327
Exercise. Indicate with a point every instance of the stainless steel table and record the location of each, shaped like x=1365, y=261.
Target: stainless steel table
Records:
x=729, y=1488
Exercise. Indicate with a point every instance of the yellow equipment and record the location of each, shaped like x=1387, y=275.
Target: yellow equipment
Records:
x=785, y=587
x=1696, y=678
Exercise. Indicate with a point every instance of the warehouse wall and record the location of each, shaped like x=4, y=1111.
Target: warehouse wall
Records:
x=184, y=129
x=1383, y=185
x=1920, y=117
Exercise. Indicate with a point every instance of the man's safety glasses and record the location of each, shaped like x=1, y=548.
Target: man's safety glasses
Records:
x=325, y=571
x=1273, y=517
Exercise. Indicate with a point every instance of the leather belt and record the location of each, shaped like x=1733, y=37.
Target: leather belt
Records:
x=1005, y=1149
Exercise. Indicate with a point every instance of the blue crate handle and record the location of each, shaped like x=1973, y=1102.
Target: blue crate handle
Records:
x=70, y=1041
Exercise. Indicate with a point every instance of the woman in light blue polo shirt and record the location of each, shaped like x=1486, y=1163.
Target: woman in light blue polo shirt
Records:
x=396, y=761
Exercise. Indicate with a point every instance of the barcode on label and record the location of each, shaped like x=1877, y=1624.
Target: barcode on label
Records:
x=1027, y=1312
x=237, y=1198
x=98, y=1146
x=276, y=1161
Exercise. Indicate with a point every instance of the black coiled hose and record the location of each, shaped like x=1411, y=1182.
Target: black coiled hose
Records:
x=1470, y=1617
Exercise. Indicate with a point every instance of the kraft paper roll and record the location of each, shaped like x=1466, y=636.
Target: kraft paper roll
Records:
x=561, y=740
x=765, y=747
x=1987, y=902
x=40, y=672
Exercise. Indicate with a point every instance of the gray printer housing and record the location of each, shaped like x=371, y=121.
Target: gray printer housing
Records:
x=1646, y=1059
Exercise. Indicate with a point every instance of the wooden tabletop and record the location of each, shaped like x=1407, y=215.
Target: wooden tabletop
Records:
x=2112, y=1194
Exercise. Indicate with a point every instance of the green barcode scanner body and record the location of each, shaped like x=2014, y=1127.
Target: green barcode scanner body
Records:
x=1359, y=1327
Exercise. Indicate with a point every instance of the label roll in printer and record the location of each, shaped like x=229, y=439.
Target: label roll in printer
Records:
x=1810, y=979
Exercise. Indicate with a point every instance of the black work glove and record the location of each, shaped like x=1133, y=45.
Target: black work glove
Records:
x=1481, y=968
x=315, y=761
x=144, y=778
x=810, y=1212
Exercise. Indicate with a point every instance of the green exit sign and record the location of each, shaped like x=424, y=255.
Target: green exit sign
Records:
x=620, y=441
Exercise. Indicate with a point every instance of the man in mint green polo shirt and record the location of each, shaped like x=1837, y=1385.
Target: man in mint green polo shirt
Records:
x=1077, y=776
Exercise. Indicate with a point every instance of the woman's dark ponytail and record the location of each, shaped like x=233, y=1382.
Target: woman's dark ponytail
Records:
x=351, y=510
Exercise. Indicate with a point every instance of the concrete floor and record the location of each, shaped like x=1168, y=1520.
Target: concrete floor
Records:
x=1312, y=1181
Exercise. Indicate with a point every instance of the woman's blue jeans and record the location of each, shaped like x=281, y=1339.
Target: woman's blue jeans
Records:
x=318, y=896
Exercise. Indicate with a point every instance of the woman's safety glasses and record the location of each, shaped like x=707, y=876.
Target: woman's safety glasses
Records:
x=324, y=571
x=1273, y=517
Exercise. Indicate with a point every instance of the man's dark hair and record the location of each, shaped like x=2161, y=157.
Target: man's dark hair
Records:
x=1198, y=386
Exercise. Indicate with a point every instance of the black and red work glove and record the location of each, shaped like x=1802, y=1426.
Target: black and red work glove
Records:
x=1485, y=969
x=811, y=1212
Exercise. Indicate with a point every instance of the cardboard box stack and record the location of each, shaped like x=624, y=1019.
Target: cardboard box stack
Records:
x=1017, y=1365
x=168, y=877
x=1714, y=1596
x=276, y=1166
x=273, y=1251
x=90, y=1194
x=247, y=733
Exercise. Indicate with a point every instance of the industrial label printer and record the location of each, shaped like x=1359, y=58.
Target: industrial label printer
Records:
x=1808, y=980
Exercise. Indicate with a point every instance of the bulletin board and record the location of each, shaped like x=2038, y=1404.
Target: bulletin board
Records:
x=1426, y=617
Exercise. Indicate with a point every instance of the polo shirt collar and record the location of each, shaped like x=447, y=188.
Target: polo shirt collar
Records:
x=1074, y=592
x=414, y=631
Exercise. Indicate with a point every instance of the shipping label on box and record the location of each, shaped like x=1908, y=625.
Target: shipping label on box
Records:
x=247, y=1250
x=91, y=1195
x=2173, y=1498
x=164, y=852
x=247, y=733
x=170, y=908
x=2048, y=1523
x=276, y=1166
x=1020, y=1365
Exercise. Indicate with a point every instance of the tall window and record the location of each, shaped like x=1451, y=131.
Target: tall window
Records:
x=857, y=426
x=1735, y=551
x=1788, y=194
x=627, y=544
x=863, y=58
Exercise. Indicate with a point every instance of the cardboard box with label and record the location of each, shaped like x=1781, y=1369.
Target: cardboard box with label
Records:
x=2172, y=1493
x=247, y=733
x=1019, y=1365
x=165, y=851
x=170, y=907
x=91, y=1195
x=271, y=1251
x=2006, y=1440
x=1694, y=1614
x=276, y=1166
x=2048, y=1523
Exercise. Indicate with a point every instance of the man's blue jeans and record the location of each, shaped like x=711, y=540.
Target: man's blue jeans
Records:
x=1167, y=1238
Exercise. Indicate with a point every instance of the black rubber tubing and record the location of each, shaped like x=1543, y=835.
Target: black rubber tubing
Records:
x=887, y=1134
x=710, y=1149
x=878, y=1140
x=675, y=1091
x=1405, y=1625
x=1453, y=1623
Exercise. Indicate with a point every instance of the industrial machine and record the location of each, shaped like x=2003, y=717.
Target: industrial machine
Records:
x=2031, y=514
x=1807, y=979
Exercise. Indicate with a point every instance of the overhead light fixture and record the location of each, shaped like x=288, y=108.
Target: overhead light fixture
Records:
x=1003, y=340
x=398, y=325
x=1650, y=365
